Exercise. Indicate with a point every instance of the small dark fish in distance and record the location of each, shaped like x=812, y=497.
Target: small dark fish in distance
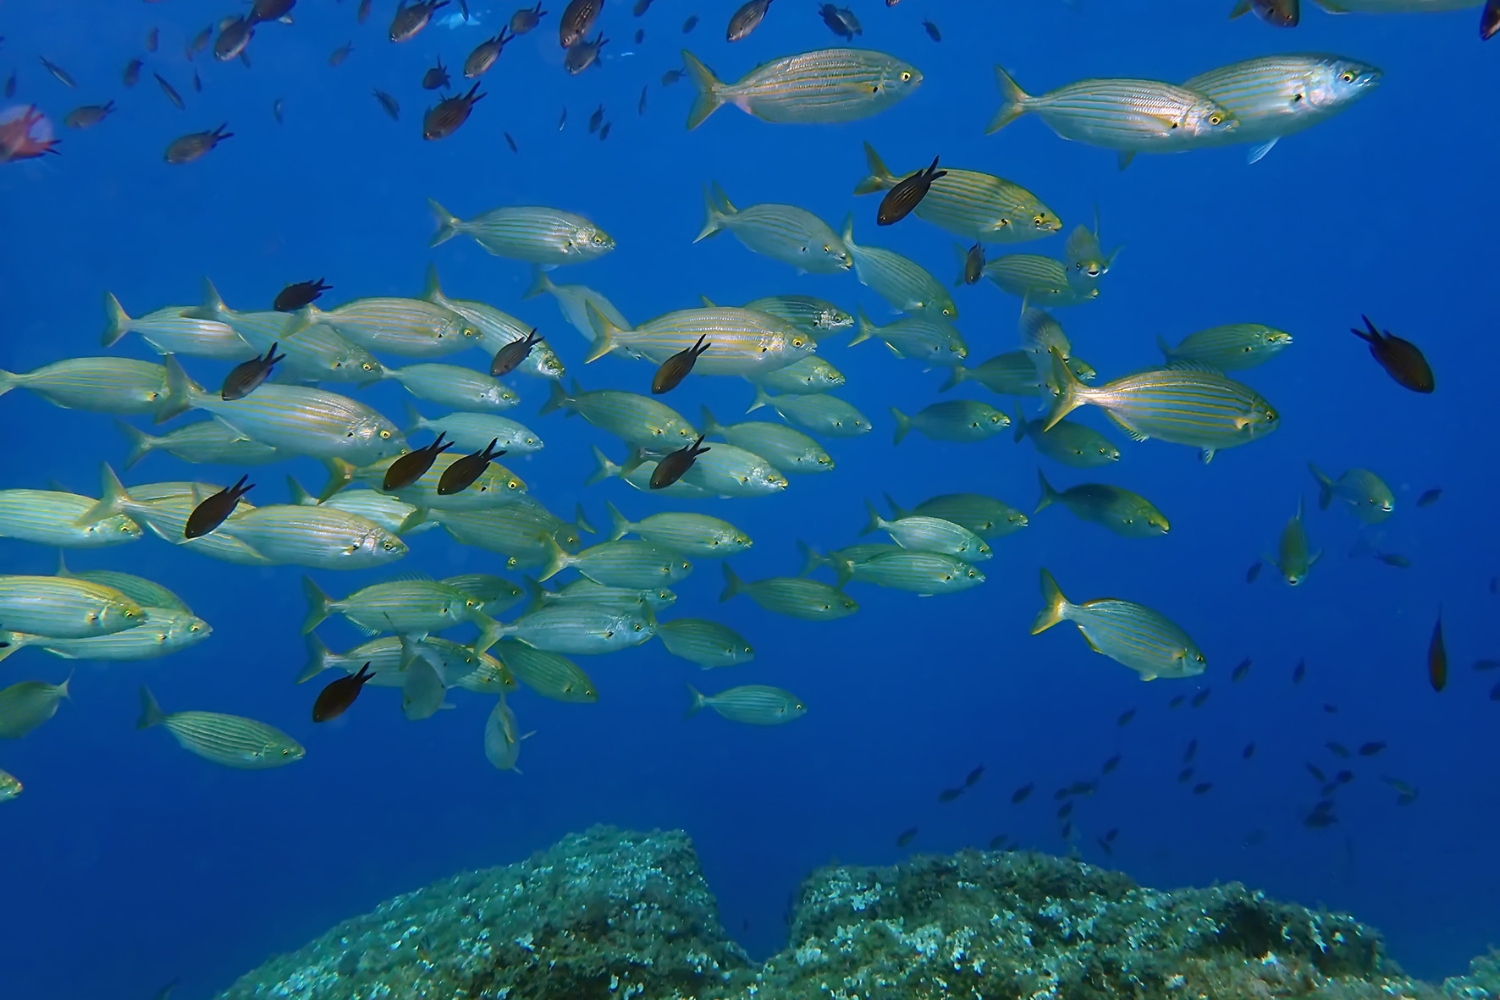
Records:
x=1317, y=773
x=1125, y=717
x=1430, y=497
x=1065, y=810
x=1021, y=794
x=526, y=19
x=211, y=513
x=1177, y=701
x=905, y=196
x=840, y=21
x=640, y=8
x=512, y=354
x=1337, y=749
x=335, y=699
x=1372, y=748
x=1185, y=775
x=1395, y=559
x=1486, y=664
x=1083, y=788
x=640, y=107
x=1343, y=777
x=413, y=465
x=195, y=145
x=461, y=474
x=1277, y=13
x=1320, y=817
x=675, y=464
x=676, y=368
x=1489, y=20
x=972, y=778
x=1495, y=693
x=410, y=20
x=200, y=41
x=1061, y=794
x=170, y=91
x=997, y=842
x=436, y=77
x=59, y=72
x=1299, y=671
x=932, y=31
x=197, y=82
x=1202, y=787
x=906, y=837
x=578, y=20
x=690, y=23
x=388, y=103
x=949, y=794
x=1330, y=708
x=640, y=35
x=1401, y=359
x=363, y=13
x=1104, y=846
x=974, y=264
x=153, y=37
x=450, y=113
x=10, y=81
x=485, y=53
x=299, y=294
x=234, y=37
x=746, y=19
x=337, y=57
x=671, y=76
x=596, y=119
x=511, y=143
x=1067, y=830
x=263, y=11
x=247, y=376
x=563, y=118
x=88, y=115
x=1240, y=671
x=276, y=110
x=1249, y=751
x=1191, y=751
x=1252, y=573
x=1110, y=765
x=1200, y=698
x=585, y=54
x=1437, y=657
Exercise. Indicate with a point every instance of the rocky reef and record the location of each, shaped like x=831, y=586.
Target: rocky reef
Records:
x=610, y=915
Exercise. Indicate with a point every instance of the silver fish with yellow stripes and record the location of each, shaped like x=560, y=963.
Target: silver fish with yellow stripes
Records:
x=631, y=417
x=227, y=740
x=164, y=632
x=167, y=516
x=959, y=420
x=171, y=331
x=784, y=447
x=10, y=786
x=1276, y=96
x=389, y=655
x=387, y=511
x=1072, y=444
x=1125, y=115
x=472, y=431
x=786, y=233
x=579, y=629
x=753, y=704
x=1130, y=634
x=1041, y=336
x=979, y=207
x=740, y=341
x=410, y=328
x=206, y=442
x=496, y=329
x=819, y=413
x=28, y=704
x=637, y=470
x=985, y=516
x=1200, y=408
x=455, y=387
x=704, y=642
x=586, y=591
x=1367, y=495
x=493, y=593
x=905, y=284
x=295, y=419
x=536, y=234
x=813, y=316
x=312, y=353
x=923, y=337
x=725, y=470
x=494, y=487
x=809, y=375
x=411, y=607
x=818, y=87
x=922, y=573
x=791, y=596
x=1233, y=347
x=573, y=301
x=842, y=561
x=513, y=531
x=1037, y=280
x=633, y=564
x=65, y=608
x=146, y=593
x=928, y=534
x=690, y=534
x=1121, y=511
x=549, y=674
x=51, y=517
x=318, y=537
x=1010, y=374
x=502, y=737
x=122, y=386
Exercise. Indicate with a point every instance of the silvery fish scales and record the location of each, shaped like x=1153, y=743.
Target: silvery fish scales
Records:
x=48, y=517
x=410, y=328
x=741, y=341
x=319, y=537
x=902, y=282
x=496, y=329
x=228, y=740
x=786, y=233
x=1275, y=96
x=207, y=442
x=164, y=632
x=536, y=234
x=171, y=331
x=472, y=431
x=636, y=419
x=976, y=206
x=146, y=593
x=64, y=608
x=122, y=386
x=819, y=87
x=455, y=387
x=581, y=629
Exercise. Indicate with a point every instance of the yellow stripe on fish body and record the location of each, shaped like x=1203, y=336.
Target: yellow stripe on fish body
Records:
x=1275, y=96
x=754, y=704
x=929, y=534
x=496, y=329
x=536, y=234
x=635, y=419
x=922, y=573
x=550, y=675
x=168, y=517
x=586, y=591
x=146, y=593
x=455, y=387
x=786, y=233
x=574, y=300
x=820, y=413
x=637, y=471
x=1130, y=634
x=743, y=341
x=729, y=471
x=819, y=87
x=1233, y=347
x=804, y=377
x=65, y=608
x=979, y=207
x=172, y=331
x=207, y=442
x=638, y=565
x=812, y=316
x=411, y=328
x=579, y=629
x=902, y=282
x=985, y=516
x=503, y=530
x=318, y=537
x=473, y=431
x=784, y=447
x=924, y=338
x=50, y=517
x=1039, y=280
x=25, y=706
x=792, y=596
x=164, y=632
x=493, y=593
x=959, y=420
x=10, y=786
x=122, y=386
x=704, y=642
x=689, y=534
x=387, y=511
x=229, y=740
x=406, y=606
x=1121, y=511
x=388, y=656
x=495, y=486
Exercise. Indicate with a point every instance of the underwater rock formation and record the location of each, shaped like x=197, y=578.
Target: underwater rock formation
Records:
x=612, y=914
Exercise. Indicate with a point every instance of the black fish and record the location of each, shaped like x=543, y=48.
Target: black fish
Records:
x=1191, y=751
x=1177, y=701
x=972, y=778
x=671, y=76
x=641, y=6
x=578, y=20
x=1111, y=764
x=1277, y=13
x=413, y=465
x=59, y=72
x=1240, y=671
x=89, y=115
x=1299, y=672
x=640, y=35
x=1395, y=559
x=1113, y=832
x=1401, y=359
x=1337, y=749
x=1343, y=777
x=526, y=19
x=746, y=19
x=1067, y=829
x=1317, y=772
x=640, y=107
x=840, y=21
x=1061, y=794
x=130, y=77
x=674, y=465
x=1486, y=664
x=949, y=794
x=197, y=83
x=1495, y=693
x=690, y=23
x=932, y=31
x=451, y=112
x=1430, y=497
x=1321, y=816
x=1248, y=752
x=363, y=13
x=485, y=54
x=604, y=132
x=338, y=55
x=906, y=837
x=1252, y=573
x=270, y=10
x=461, y=474
x=1021, y=794
x=512, y=354
x=200, y=42
x=676, y=368
x=388, y=103
x=245, y=377
x=410, y=20
x=1185, y=775
x=585, y=54
x=1065, y=810
x=974, y=264
x=1104, y=846
x=1489, y=20
x=436, y=77
x=511, y=143
x=596, y=119
x=152, y=38
x=170, y=91
x=234, y=38
x=295, y=296
x=211, y=513
x=1202, y=787
x=1083, y=788
x=1125, y=717
x=905, y=196
x=335, y=699
x=1437, y=658
x=1200, y=698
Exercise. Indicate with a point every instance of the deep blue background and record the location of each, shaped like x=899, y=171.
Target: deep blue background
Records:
x=130, y=861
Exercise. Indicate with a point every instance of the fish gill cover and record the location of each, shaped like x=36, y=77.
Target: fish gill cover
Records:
x=438, y=377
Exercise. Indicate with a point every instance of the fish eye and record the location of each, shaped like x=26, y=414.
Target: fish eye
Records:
x=906, y=76
x=1346, y=76
x=798, y=341
x=1215, y=118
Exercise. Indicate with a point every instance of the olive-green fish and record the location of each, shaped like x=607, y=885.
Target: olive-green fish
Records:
x=1366, y=494
x=455, y=387
x=550, y=675
x=493, y=593
x=146, y=593
x=704, y=642
x=800, y=378
x=784, y=447
x=313, y=353
x=1072, y=444
x=921, y=573
x=1085, y=258
x=227, y=740
x=10, y=786
x=791, y=596
x=165, y=631
x=923, y=337
x=633, y=418
x=786, y=233
x=979, y=207
x=574, y=300
x=1036, y=280
x=1234, y=347
x=1010, y=374
x=586, y=591
x=754, y=704
x=51, y=517
x=813, y=316
x=620, y=564
x=206, y=442
x=529, y=233
x=725, y=470
x=697, y=535
x=1130, y=634
x=472, y=431
x=1294, y=557
x=1199, y=408
x=960, y=420
x=579, y=629
x=25, y=706
x=841, y=561
x=502, y=738
x=497, y=329
x=509, y=531
x=820, y=413
x=905, y=284
x=929, y=534
x=122, y=386
x=819, y=87
x=742, y=341
x=423, y=689
x=1121, y=511
x=171, y=331
x=318, y=537
x=410, y=328
x=411, y=607
x=1042, y=335
x=65, y=608
x=985, y=516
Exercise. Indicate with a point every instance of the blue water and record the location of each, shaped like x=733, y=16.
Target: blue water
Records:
x=129, y=861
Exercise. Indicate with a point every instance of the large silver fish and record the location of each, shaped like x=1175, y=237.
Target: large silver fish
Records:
x=50, y=517
x=530, y=233
x=819, y=87
x=65, y=608
x=171, y=330
x=122, y=386
x=229, y=740
x=321, y=537
x=786, y=233
x=739, y=341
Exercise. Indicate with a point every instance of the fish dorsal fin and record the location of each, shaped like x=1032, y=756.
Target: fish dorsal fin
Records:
x=708, y=303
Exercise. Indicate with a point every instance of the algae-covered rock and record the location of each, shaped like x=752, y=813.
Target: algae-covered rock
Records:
x=1482, y=982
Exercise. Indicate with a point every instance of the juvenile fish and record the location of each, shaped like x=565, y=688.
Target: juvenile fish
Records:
x=907, y=194
x=228, y=740
x=706, y=643
x=1367, y=495
x=213, y=511
x=676, y=368
x=58, y=72
x=388, y=104
x=791, y=596
x=335, y=699
x=436, y=77
x=1128, y=633
x=746, y=19
x=1401, y=359
x=462, y=473
x=195, y=145
x=676, y=464
x=755, y=704
x=841, y=21
x=1121, y=511
x=1234, y=347
x=234, y=37
x=1437, y=658
x=819, y=87
x=132, y=74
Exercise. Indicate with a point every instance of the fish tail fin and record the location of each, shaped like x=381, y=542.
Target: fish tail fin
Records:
x=880, y=177
x=447, y=224
x=1240, y=9
x=708, y=100
x=1069, y=392
x=581, y=521
x=1019, y=423
x=8, y=381
x=557, y=399
x=414, y=419
x=1056, y=609
x=317, y=659
x=713, y=217
x=151, y=713
x=540, y=283
x=299, y=496
x=116, y=321
x=866, y=330
x=812, y=558
x=846, y=232
x=956, y=376
x=181, y=395
x=896, y=512
x=432, y=289
x=490, y=632
x=15, y=644
x=319, y=605
x=619, y=524
x=605, y=333
x=1012, y=101
x=732, y=584
x=710, y=425
x=1049, y=495
x=141, y=443
x=1164, y=347
x=873, y=524
x=557, y=559
x=762, y=398
x=113, y=498
x=534, y=592
x=607, y=469
x=1325, y=487
x=903, y=424
x=340, y=474
x=697, y=702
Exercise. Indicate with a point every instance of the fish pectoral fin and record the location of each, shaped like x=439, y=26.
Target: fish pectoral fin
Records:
x=1148, y=677
x=1258, y=153
x=239, y=435
x=1207, y=455
x=1091, y=643
x=1119, y=422
x=1125, y=158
